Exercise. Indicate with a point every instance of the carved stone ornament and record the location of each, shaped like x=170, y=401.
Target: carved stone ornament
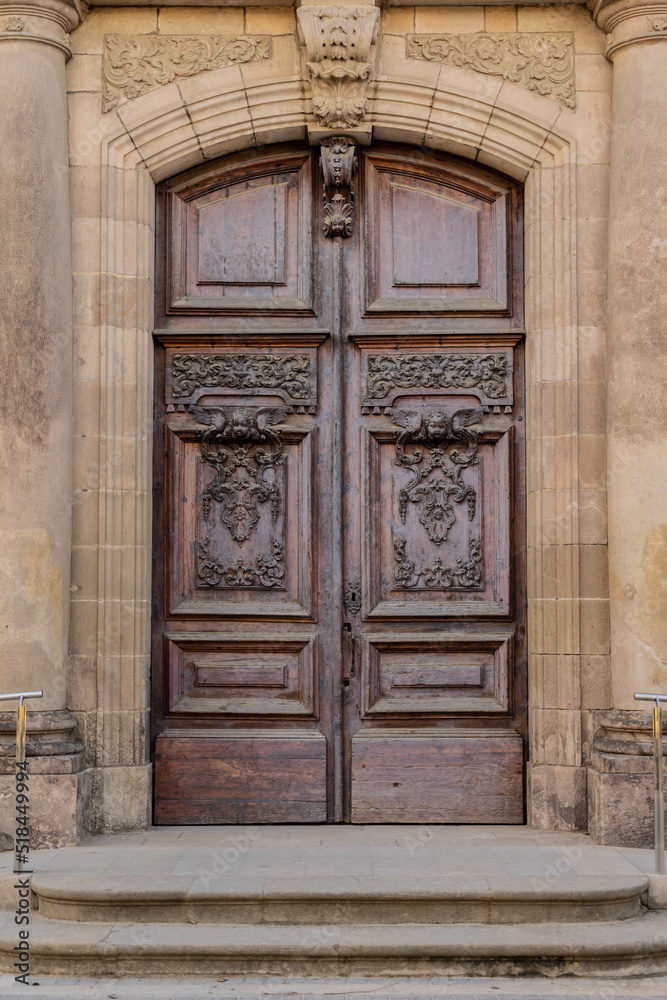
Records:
x=135, y=64
x=290, y=373
x=14, y=23
x=541, y=62
x=338, y=165
x=338, y=42
x=449, y=447
x=659, y=23
x=436, y=371
x=234, y=448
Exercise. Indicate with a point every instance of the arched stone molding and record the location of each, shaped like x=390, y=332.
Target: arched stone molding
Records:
x=443, y=108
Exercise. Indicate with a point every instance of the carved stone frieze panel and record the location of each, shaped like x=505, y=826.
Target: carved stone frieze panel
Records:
x=541, y=62
x=337, y=43
x=288, y=375
x=135, y=64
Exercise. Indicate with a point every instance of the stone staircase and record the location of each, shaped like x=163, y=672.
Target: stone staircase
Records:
x=327, y=900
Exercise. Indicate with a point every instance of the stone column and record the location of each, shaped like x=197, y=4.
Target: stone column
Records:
x=36, y=403
x=621, y=797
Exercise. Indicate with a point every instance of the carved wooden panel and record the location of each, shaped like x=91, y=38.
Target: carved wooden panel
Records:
x=437, y=776
x=241, y=512
x=207, y=776
x=407, y=674
x=437, y=513
x=240, y=241
x=434, y=243
x=234, y=674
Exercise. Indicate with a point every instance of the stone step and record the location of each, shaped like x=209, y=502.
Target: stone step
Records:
x=634, y=947
x=463, y=897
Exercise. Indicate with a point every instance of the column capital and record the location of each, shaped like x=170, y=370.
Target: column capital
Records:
x=47, y=21
x=627, y=22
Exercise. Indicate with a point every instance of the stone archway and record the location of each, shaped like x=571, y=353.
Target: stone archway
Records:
x=172, y=128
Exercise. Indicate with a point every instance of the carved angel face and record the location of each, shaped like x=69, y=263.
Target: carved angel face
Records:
x=240, y=424
x=436, y=425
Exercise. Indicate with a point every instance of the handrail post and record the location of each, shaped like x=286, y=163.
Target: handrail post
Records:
x=658, y=792
x=21, y=721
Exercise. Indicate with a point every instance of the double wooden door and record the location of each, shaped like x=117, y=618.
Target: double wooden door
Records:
x=338, y=626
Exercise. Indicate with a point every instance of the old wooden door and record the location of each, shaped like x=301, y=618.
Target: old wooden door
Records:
x=338, y=627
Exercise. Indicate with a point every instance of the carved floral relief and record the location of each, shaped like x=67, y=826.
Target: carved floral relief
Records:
x=135, y=64
x=541, y=62
x=290, y=373
x=487, y=372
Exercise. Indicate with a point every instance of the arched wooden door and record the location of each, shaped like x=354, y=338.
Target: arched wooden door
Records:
x=338, y=629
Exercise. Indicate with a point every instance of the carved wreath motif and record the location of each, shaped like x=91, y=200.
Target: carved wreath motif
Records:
x=233, y=447
x=135, y=64
x=436, y=371
x=451, y=448
x=242, y=371
x=267, y=571
x=466, y=574
x=540, y=62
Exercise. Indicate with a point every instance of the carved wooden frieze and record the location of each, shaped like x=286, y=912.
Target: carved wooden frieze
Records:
x=484, y=374
x=290, y=373
x=265, y=571
x=338, y=43
x=541, y=62
x=135, y=64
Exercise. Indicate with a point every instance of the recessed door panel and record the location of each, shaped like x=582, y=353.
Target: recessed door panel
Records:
x=436, y=241
x=240, y=239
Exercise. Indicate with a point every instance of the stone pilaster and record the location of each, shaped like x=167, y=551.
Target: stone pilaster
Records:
x=36, y=397
x=637, y=414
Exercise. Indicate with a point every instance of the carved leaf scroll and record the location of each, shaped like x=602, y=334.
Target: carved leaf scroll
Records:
x=465, y=574
x=436, y=371
x=541, y=62
x=290, y=373
x=135, y=64
x=267, y=571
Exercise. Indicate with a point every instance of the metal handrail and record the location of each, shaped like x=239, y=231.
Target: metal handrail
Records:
x=20, y=753
x=659, y=804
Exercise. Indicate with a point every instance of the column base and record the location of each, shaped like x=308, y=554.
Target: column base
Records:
x=59, y=785
x=620, y=783
x=121, y=799
x=556, y=797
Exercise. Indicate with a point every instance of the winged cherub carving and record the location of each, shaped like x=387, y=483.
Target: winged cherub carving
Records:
x=439, y=432
x=231, y=448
